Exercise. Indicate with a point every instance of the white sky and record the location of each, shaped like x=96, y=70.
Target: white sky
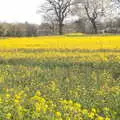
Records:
x=20, y=11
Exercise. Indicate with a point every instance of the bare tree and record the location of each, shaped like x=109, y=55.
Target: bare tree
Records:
x=115, y=0
x=51, y=20
x=92, y=15
x=60, y=9
x=116, y=3
x=94, y=9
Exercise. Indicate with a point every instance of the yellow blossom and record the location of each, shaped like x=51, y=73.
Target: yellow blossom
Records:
x=38, y=93
x=0, y=100
x=85, y=111
x=94, y=110
x=58, y=114
x=8, y=95
x=16, y=101
x=107, y=118
x=8, y=115
x=100, y=118
x=91, y=115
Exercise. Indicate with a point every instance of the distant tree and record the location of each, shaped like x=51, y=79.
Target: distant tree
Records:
x=81, y=25
x=30, y=29
x=92, y=14
x=94, y=9
x=60, y=9
x=18, y=29
x=115, y=0
x=50, y=19
x=1, y=30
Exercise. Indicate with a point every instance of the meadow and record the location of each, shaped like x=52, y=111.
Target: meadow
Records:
x=60, y=78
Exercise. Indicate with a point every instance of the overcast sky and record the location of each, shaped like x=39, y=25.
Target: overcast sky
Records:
x=20, y=11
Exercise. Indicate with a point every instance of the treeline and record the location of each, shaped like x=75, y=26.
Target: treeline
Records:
x=26, y=29
x=92, y=15
x=81, y=25
x=112, y=26
x=69, y=16
x=18, y=29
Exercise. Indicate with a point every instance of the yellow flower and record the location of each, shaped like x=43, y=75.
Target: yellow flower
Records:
x=8, y=95
x=107, y=118
x=21, y=93
x=94, y=110
x=64, y=101
x=58, y=114
x=0, y=100
x=84, y=111
x=77, y=105
x=100, y=118
x=68, y=118
x=60, y=119
x=38, y=107
x=38, y=93
x=106, y=109
x=8, y=115
x=16, y=101
x=17, y=96
x=70, y=102
x=91, y=115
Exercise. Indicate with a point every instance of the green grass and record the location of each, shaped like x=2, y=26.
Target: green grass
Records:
x=92, y=84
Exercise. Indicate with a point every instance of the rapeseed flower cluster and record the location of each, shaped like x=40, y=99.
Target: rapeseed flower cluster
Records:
x=60, y=78
x=38, y=107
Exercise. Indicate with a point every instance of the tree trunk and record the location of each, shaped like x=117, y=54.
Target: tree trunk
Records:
x=94, y=27
x=60, y=29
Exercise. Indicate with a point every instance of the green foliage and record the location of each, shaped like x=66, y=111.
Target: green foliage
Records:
x=65, y=88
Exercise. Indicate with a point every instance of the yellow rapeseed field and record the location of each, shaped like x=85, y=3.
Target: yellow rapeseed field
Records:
x=94, y=42
x=60, y=78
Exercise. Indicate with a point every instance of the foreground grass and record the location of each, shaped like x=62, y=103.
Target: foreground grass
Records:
x=60, y=78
